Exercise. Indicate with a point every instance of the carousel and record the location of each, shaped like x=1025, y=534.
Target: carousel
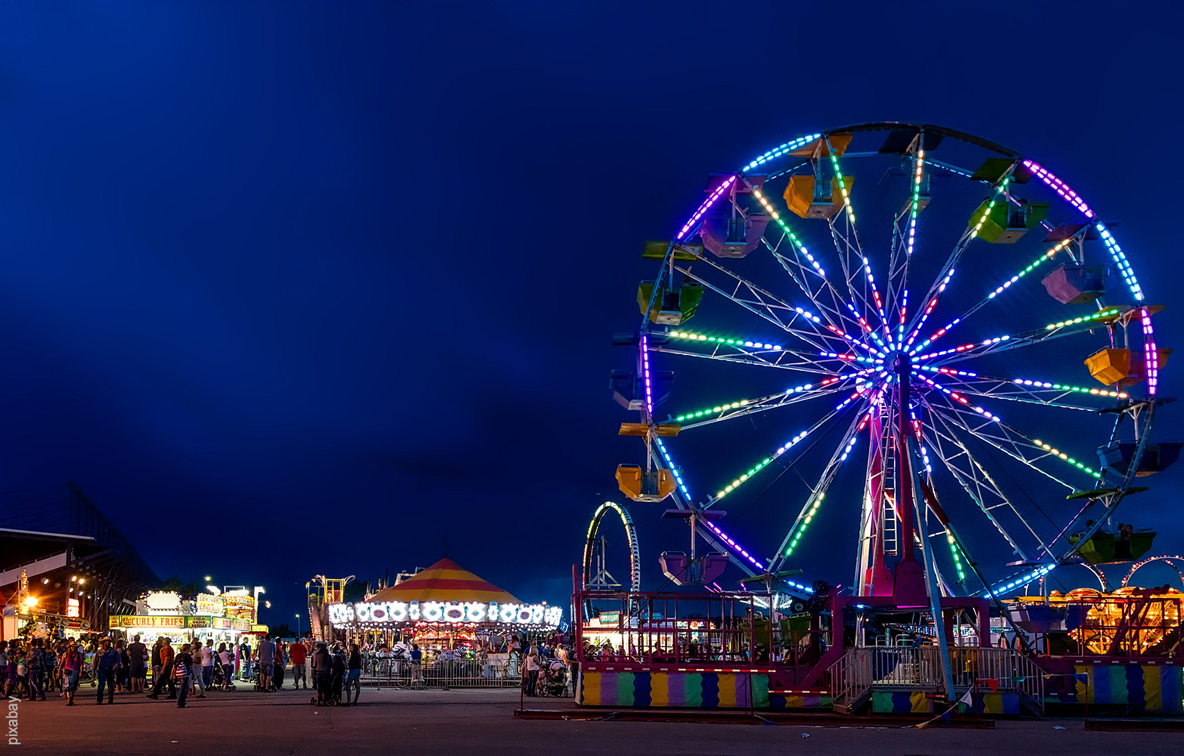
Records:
x=443, y=609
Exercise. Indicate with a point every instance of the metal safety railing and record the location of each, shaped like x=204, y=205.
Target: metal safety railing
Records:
x=863, y=669
x=440, y=673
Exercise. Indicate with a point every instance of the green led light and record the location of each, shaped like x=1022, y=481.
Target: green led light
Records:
x=954, y=554
x=805, y=522
x=1066, y=458
x=1100, y=314
x=991, y=206
x=689, y=336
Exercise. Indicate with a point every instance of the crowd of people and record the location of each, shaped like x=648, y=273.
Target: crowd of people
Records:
x=31, y=669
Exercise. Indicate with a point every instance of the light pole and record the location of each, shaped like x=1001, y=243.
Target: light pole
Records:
x=258, y=590
x=297, y=625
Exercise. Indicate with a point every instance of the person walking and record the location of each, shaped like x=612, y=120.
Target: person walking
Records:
x=265, y=658
x=123, y=678
x=195, y=670
x=137, y=656
x=182, y=670
x=71, y=668
x=338, y=669
x=353, y=679
x=167, y=660
x=207, y=664
x=297, y=653
x=244, y=667
x=106, y=667
x=281, y=659
x=322, y=672
x=156, y=660
x=226, y=659
x=36, y=665
x=12, y=670
x=532, y=670
x=416, y=666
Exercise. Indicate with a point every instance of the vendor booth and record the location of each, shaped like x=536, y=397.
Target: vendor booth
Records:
x=161, y=613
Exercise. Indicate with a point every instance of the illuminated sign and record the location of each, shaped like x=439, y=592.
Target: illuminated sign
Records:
x=209, y=606
x=132, y=620
x=239, y=607
x=180, y=622
x=73, y=608
x=386, y=612
x=162, y=602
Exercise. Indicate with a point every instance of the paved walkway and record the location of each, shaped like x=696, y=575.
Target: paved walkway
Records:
x=481, y=722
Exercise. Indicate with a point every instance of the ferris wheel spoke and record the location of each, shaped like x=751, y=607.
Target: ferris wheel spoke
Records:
x=1025, y=339
x=836, y=412
x=1039, y=391
x=1007, y=284
x=838, y=318
x=801, y=273
x=782, y=359
x=1014, y=444
x=814, y=500
x=904, y=237
x=1012, y=391
x=845, y=237
x=769, y=307
x=946, y=530
x=947, y=270
x=745, y=407
x=974, y=479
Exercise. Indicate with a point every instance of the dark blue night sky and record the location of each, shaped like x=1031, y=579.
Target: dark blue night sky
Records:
x=341, y=278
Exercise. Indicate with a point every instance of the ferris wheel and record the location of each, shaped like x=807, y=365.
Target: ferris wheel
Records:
x=942, y=301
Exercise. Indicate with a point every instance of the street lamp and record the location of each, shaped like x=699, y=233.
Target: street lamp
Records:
x=298, y=636
x=258, y=589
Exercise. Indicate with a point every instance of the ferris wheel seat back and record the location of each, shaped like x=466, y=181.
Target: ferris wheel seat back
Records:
x=1075, y=284
x=656, y=250
x=671, y=306
x=1007, y=223
x=681, y=570
x=1109, y=548
x=629, y=392
x=807, y=198
x=645, y=485
x=731, y=234
x=838, y=142
x=1117, y=456
x=1139, y=367
x=662, y=430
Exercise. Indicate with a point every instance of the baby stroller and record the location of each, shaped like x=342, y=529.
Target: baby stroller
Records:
x=554, y=679
x=216, y=683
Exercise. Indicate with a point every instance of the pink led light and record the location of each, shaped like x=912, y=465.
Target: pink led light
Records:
x=735, y=546
x=645, y=369
x=1151, y=352
x=707, y=203
x=1060, y=187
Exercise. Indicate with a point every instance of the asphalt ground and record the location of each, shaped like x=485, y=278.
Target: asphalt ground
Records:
x=482, y=722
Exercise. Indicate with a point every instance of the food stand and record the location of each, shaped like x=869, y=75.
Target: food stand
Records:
x=161, y=613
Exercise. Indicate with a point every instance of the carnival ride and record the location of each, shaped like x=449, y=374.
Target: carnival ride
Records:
x=321, y=592
x=595, y=575
x=958, y=350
